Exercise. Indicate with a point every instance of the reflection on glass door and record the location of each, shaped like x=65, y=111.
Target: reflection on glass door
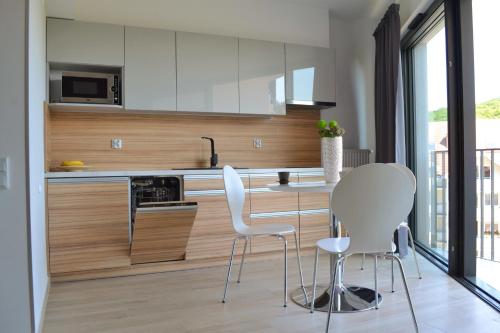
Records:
x=431, y=140
x=487, y=94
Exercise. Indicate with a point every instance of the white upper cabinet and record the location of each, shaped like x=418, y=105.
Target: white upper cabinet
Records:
x=310, y=74
x=150, y=72
x=262, y=77
x=207, y=73
x=84, y=43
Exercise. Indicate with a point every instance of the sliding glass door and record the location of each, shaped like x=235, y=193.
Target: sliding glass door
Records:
x=430, y=139
x=487, y=114
x=451, y=71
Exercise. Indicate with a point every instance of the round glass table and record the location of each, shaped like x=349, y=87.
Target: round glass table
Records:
x=347, y=298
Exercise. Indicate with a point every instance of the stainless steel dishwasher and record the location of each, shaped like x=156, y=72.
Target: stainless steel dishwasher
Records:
x=161, y=219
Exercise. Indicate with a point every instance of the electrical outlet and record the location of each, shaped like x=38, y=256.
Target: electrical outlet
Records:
x=116, y=143
x=4, y=173
x=257, y=143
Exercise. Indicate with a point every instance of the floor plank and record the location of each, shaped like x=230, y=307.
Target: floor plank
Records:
x=189, y=301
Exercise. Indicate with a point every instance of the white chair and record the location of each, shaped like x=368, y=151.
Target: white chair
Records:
x=371, y=201
x=235, y=195
x=412, y=179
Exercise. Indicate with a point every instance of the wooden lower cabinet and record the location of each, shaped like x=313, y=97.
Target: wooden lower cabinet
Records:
x=312, y=201
x=262, y=244
x=213, y=234
x=270, y=202
x=313, y=228
x=88, y=226
x=266, y=201
x=202, y=183
x=308, y=201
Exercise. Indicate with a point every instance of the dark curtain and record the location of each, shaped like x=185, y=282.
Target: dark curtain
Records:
x=387, y=47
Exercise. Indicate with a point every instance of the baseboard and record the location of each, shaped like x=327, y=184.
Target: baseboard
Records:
x=168, y=266
x=44, y=307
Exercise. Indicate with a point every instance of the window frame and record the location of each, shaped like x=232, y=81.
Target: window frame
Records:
x=429, y=21
x=461, y=264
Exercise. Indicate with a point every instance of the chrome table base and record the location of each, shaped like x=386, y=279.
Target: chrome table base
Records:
x=348, y=298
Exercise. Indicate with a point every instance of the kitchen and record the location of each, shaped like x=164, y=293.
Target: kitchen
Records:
x=138, y=108
x=135, y=110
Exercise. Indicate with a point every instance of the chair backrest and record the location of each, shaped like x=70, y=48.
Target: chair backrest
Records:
x=371, y=201
x=235, y=196
x=408, y=173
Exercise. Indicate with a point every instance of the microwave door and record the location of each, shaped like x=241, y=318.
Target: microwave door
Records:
x=87, y=89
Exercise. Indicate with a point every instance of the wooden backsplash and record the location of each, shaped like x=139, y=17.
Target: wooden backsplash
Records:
x=173, y=141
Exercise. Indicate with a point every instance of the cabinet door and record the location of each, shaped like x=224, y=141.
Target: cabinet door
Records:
x=84, y=43
x=213, y=233
x=313, y=227
x=267, y=201
x=150, y=78
x=207, y=73
x=208, y=182
x=313, y=200
x=262, y=77
x=310, y=73
x=88, y=225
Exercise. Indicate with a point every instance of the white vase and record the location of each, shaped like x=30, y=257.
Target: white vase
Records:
x=331, y=158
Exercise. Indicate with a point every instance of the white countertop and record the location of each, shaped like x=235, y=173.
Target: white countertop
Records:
x=169, y=172
x=320, y=187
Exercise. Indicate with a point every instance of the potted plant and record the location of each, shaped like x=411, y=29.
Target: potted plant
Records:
x=331, y=149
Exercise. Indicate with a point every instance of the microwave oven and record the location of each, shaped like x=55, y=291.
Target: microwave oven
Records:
x=85, y=87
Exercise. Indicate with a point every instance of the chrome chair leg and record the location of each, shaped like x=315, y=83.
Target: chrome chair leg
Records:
x=403, y=275
x=229, y=269
x=285, y=294
x=306, y=300
x=392, y=274
x=363, y=261
x=332, y=293
x=314, y=279
x=414, y=252
x=242, y=259
x=375, y=261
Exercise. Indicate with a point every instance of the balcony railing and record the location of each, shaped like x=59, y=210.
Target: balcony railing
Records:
x=487, y=203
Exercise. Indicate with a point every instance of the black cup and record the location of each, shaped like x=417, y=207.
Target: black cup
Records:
x=283, y=176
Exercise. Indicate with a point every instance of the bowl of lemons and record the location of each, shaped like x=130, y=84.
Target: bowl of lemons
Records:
x=73, y=166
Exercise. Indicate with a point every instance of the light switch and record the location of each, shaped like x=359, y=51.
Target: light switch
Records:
x=116, y=143
x=4, y=173
x=257, y=143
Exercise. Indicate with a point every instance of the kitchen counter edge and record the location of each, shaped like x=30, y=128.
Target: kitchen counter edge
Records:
x=170, y=172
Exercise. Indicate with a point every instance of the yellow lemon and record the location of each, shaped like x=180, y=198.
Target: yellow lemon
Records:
x=72, y=163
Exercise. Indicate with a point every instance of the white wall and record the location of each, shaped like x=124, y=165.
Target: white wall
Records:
x=15, y=308
x=355, y=72
x=280, y=20
x=355, y=75
x=37, y=91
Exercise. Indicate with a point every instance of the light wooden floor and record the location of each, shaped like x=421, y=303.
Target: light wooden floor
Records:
x=189, y=301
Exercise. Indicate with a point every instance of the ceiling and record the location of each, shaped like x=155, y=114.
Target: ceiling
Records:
x=347, y=9
x=304, y=22
x=350, y=9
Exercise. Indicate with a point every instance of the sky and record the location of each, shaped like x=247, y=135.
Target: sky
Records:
x=436, y=70
x=486, y=57
x=486, y=49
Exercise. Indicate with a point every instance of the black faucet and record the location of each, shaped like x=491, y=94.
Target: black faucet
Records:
x=213, y=157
